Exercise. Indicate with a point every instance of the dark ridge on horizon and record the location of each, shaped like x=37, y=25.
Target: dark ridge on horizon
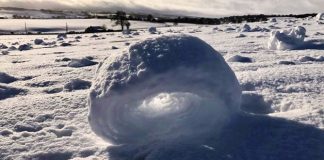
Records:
x=156, y=14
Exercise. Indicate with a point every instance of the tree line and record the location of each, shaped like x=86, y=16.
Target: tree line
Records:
x=122, y=19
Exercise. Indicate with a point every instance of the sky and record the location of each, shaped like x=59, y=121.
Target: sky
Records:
x=209, y=8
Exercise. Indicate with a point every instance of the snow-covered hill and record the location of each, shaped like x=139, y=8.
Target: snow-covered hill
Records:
x=44, y=92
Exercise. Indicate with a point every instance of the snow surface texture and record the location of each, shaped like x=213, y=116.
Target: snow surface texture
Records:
x=172, y=88
x=287, y=39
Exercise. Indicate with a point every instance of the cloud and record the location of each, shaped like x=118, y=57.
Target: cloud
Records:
x=184, y=7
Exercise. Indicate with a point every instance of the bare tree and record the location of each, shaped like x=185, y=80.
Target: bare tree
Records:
x=120, y=19
x=127, y=24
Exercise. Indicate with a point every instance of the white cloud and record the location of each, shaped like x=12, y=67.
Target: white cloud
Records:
x=190, y=7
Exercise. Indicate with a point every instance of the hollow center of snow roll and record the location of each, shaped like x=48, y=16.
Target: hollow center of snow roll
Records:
x=167, y=103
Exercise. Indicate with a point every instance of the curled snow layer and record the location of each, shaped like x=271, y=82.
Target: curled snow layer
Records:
x=164, y=89
x=287, y=39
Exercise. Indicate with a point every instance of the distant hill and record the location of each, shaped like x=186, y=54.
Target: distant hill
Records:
x=22, y=13
x=14, y=8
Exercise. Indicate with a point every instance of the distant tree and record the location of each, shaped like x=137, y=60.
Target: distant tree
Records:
x=150, y=18
x=131, y=17
x=127, y=24
x=120, y=19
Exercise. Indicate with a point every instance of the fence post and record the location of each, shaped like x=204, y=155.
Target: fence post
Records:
x=66, y=28
x=26, y=28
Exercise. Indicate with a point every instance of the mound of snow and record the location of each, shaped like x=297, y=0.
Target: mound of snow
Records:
x=5, y=78
x=49, y=43
x=152, y=30
x=24, y=47
x=78, y=37
x=274, y=27
x=126, y=32
x=286, y=63
x=66, y=44
x=287, y=39
x=61, y=36
x=38, y=41
x=246, y=28
x=12, y=48
x=259, y=29
x=172, y=88
x=94, y=36
x=273, y=20
x=77, y=84
x=4, y=52
x=7, y=92
x=238, y=58
x=311, y=59
x=240, y=36
x=77, y=63
x=62, y=132
x=27, y=126
x=114, y=47
x=307, y=59
x=320, y=58
x=2, y=46
x=229, y=29
x=6, y=133
x=65, y=59
x=136, y=34
x=320, y=16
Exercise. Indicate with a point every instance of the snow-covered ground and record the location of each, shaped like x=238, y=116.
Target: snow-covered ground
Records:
x=44, y=94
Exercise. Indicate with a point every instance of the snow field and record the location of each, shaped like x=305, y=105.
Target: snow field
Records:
x=42, y=119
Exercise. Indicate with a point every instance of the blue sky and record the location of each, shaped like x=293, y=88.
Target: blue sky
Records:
x=187, y=7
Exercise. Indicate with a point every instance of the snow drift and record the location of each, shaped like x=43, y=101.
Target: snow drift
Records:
x=287, y=39
x=169, y=89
